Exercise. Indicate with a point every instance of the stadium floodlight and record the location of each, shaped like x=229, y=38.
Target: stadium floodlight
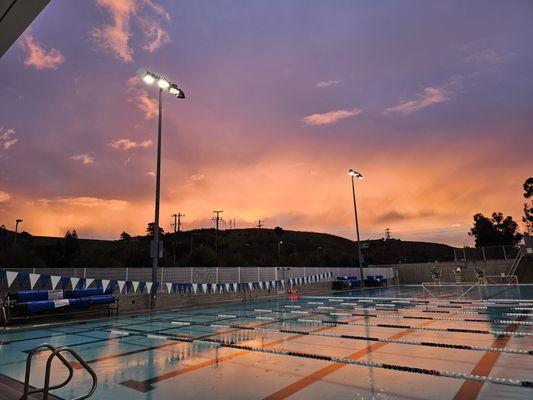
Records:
x=148, y=78
x=163, y=83
x=354, y=174
x=167, y=86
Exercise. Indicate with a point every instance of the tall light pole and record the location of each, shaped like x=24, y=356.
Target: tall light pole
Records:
x=280, y=242
x=353, y=174
x=18, y=221
x=167, y=86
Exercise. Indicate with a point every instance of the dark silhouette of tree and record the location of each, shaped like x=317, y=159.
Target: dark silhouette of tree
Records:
x=3, y=230
x=125, y=236
x=72, y=246
x=528, y=205
x=495, y=231
x=150, y=230
x=278, y=230
x=202, y=256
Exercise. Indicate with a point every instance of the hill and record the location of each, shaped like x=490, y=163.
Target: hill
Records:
x=237, y=247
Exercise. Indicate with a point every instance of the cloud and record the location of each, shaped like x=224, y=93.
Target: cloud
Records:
x=141, y=98
x=89, y=202
x=7, y=139
x=84, y=158
x=330, y=117
x=197, y=177
x=488, y=57
x=128, y=144
x=325, y=84
x=398, y=216
x=114, y=37
x=4, y=197
x=38, y=57
x=428, y=97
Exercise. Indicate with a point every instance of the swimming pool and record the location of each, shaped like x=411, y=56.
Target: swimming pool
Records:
x=377, y=344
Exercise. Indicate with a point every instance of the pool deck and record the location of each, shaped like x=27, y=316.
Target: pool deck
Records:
x=268, y=349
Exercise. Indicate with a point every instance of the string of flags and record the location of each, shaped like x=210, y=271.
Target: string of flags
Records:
x=56, y=282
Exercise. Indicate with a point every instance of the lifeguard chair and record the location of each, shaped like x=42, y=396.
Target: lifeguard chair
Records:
x=458, y=275
x=480, y=274
x=435, y=275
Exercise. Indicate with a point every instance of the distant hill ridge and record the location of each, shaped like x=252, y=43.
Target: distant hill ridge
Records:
x=237, y=247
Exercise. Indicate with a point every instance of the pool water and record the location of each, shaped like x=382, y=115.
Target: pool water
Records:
x=268, y=349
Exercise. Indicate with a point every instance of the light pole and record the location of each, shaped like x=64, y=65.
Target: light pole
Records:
x=279, y=251
x=167, y=86
x=353, y=174
x=18, y=221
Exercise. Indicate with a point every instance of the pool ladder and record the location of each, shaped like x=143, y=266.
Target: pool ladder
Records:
x=56, y=352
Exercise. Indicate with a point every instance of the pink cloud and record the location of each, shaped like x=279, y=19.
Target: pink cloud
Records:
x=38, y=57
x=7, y=138
x=325, y=84
x=114, y=37
x=127, y=144
x=84, y=158
x=330, y=117
x=141, y=98
x=487, y=56
x=427, y=98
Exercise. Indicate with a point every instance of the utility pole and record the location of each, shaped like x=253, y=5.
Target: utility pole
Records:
x=16, y=230
x=387, y=234
x=260, y=224
x=217, y=220
x=177, y=221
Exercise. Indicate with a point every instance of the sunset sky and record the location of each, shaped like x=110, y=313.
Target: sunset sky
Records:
x=431, y=101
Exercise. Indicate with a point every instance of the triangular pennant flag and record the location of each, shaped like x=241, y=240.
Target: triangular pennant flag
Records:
x=88, y=282
x=148, y=287
x=227, y=287
x=194, y=287
x=261, y=285
x=54, y=280
x=169, y=287
x=11, y=276
x=74, y=282
x=105, y=284
x=135, y=285
x=214, y=287
x=234, y=287
x=283, y=283
x=120, y=285
x=33, y=280
x=250, y=285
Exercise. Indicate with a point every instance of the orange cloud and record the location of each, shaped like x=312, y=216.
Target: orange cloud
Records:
x=38, y=57
x=330, y=117
x=141, y=98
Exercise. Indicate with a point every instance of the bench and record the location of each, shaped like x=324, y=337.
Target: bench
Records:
x=28, y=304
x=346, y=282
x=375, y=280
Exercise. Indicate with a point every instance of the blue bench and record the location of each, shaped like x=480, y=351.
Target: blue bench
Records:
x=375, y=280
x=346, y=282
x=36, y=303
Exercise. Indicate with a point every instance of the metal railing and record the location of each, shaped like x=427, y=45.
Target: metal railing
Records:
x=56, y=352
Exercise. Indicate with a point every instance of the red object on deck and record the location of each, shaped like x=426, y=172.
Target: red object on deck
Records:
x=293, y=294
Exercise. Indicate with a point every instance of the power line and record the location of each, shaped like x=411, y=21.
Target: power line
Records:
x=217, y=220
x=177, y=222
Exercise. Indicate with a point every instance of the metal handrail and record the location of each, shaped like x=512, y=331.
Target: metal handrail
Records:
x=516, y=262
x=27, y=392
x=4, y=316
x=57, y=352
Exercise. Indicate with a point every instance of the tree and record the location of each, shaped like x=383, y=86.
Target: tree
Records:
x=125, y=236
x=72, y=246
x=528, y=205
x=150, y=229
x=495, y=231
x=278, y=230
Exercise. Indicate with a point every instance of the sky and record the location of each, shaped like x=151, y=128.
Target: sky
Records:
x=431, y=101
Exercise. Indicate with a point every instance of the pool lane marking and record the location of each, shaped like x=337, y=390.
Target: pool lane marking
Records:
x=302, y=383
x=469, y=390
x=147, y=385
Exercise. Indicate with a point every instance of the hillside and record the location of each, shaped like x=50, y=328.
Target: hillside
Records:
x=238, y=247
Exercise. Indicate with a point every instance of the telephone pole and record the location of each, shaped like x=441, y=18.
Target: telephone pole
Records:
x=177, y=221
x=387, y=234
x=260, y=224
x=217, y=220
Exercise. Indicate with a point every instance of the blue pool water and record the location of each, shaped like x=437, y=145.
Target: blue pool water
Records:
x=174, y=354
